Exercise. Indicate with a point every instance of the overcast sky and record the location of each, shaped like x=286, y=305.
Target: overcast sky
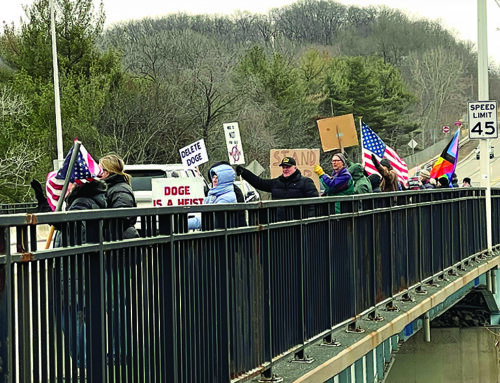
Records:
x=459, y=16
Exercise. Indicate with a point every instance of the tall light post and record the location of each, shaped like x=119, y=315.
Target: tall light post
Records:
x=483, y=95
x=57, y=102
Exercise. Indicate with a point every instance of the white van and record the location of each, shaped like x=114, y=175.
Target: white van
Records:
x=143, y=174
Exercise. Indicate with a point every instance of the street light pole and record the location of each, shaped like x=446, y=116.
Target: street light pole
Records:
x=483, y=95
x=60, y=150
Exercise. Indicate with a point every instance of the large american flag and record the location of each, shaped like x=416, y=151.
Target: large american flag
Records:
x=374, y=144
x=84, y=170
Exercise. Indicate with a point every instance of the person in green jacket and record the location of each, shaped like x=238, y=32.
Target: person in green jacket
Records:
x=361, y=183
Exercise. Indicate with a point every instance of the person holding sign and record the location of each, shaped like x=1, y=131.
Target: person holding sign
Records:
x=340, y=182
x=291, y=184
x=222, y=191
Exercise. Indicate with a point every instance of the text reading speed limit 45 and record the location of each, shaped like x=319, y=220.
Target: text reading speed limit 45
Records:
x=483, y=119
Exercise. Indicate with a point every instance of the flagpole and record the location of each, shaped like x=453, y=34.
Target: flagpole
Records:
x=57, y=102
x=361, y=146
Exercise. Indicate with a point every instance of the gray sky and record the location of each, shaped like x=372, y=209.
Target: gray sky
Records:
x=459, y=16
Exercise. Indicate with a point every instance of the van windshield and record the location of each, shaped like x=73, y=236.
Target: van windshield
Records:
x=141, y=179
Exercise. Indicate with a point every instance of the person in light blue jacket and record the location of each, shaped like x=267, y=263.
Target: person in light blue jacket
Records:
x=222, y=190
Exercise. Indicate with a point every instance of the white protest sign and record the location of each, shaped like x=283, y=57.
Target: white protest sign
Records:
x=177, y=191
x=194, y=154
x=233, y=142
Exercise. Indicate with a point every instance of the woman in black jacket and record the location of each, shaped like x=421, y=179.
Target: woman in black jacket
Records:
x=119, y=192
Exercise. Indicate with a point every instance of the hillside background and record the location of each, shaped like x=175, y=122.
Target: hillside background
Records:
x=146, y=88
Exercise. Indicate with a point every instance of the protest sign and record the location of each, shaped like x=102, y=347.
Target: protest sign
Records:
x=177, y=191
x=233, y=142
x=194, y=155
x=337, y=132
x=305, y=159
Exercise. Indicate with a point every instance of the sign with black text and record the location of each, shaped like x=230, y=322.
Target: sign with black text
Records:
x=194, y=154
x=233, y=142
x=483, y=121
x=177, y=191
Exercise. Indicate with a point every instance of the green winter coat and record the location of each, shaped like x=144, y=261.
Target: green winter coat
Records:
x=362, y=184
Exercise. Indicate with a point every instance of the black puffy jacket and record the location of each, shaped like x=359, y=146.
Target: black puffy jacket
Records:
x=120, y=195
x=295, y=186
x=88, y=196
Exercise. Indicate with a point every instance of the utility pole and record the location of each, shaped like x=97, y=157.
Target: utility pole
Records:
x=483, y=95
x=60, y=150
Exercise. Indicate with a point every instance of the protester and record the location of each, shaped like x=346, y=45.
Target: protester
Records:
x=85, y=196
x=375, y=180
x=425, y=181
x=443, y=182
x=389, y=181
x=466, y=183
x=291, y=184
x=119, y=193
x=361, y=183
x=340, y=182
x=222, y=191
x=454, y=180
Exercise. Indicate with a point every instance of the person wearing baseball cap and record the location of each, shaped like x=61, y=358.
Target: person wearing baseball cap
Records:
x=289, y=185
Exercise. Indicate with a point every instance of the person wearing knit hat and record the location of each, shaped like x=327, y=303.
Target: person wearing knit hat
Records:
x=340, y=182
x=424, y=178
x=375, y=180
x=389, y=176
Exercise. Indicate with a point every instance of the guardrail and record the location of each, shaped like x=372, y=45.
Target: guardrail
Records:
x=220, y=304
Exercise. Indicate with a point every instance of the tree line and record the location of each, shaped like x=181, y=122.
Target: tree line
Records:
x=146, y=88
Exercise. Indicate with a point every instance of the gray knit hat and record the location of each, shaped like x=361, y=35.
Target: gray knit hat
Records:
x=341, y=157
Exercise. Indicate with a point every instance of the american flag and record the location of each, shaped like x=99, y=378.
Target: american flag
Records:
x=373, y=144
x=85, y=170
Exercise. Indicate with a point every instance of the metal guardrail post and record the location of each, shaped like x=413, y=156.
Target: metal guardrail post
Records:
x=96, y=358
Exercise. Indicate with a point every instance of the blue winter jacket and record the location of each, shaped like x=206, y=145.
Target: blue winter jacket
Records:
x=222, y=193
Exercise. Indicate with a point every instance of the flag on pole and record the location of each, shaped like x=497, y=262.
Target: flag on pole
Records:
x=373, y=144
x=447, y=162
x=84, y=170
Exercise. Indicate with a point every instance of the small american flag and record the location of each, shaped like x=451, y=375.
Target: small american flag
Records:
x=84, y=170
x=374, y=144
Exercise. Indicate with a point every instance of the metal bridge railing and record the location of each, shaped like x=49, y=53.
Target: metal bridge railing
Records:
x=219, y=304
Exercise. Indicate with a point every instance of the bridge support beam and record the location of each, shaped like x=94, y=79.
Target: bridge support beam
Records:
x=427, y=327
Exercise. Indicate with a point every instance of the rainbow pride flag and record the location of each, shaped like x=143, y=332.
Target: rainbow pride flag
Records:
x=447, y=162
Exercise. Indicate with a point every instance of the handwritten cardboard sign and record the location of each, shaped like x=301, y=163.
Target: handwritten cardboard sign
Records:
x=337, y=132
x=305, y=158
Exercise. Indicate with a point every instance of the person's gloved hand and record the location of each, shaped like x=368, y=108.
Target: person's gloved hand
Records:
x=37, y=188
x=318, y=170
x=239, y=170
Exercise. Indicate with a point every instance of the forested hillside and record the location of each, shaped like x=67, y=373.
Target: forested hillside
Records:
x=146, y=88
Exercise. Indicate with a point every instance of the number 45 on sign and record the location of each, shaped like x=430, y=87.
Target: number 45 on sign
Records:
x=483, y=122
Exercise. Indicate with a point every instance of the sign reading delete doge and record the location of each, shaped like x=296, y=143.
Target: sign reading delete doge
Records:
x=305, y=159
x=337, y=132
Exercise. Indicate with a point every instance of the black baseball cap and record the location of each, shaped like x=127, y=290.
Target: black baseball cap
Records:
x=288, y=161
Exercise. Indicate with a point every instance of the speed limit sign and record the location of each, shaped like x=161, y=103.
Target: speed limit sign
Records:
x=483, y=122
